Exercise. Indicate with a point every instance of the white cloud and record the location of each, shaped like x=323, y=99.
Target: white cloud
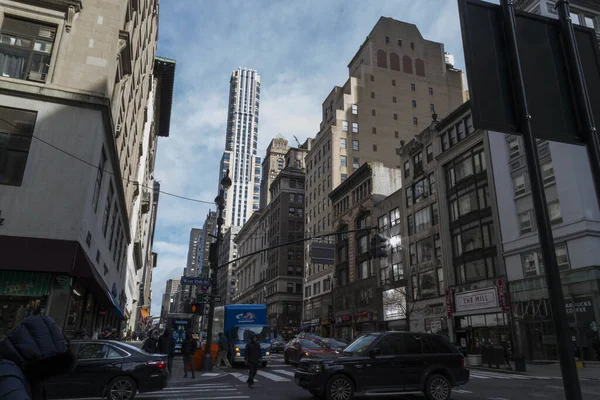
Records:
x=300, y=49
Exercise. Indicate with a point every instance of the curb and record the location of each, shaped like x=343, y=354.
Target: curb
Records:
x=502, y=371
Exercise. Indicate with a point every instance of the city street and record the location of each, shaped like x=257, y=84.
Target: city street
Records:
x=276, y=382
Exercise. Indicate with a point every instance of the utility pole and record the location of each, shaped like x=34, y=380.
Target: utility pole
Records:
x=214, y=266
x=555, y=292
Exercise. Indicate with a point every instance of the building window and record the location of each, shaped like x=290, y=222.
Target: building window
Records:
x=382, y=223
x=373, y=113
x=525, y=222
x=415, y=120
x=395, y=117
x=429, y=153
x=432, y=186
x=355, y=145
x=395, y=216
x=16, y=131
x=355, y=127
x=26, y=49
x=412, y=254
x=414, y=104
x=343, y=177
x=432, y=108
x=412, y=87
x=554, y=212
x=397, y=272
x=422, y=220
x=355, y=109
x=396, y=134
x=406, y=169
x=374, y=130
x=514, y=149
x=411, y=224
x=409, y=197
x=355, y=162
x=393, y=82
x=290, y=287
x=372, y=95
x=107, y=207
x=394, y=99
x=431, y=91
x=387, y=40
x=343, y=161
x=372, y=77
x=533, y=264
x=345, y=126
x=418, y=163
x=343, y=143
x=548, y=172
x=519, y=183
x=375, y=147
x=562, y=257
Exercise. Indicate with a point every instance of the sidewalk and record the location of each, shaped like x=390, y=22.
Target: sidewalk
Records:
x=177, y=378
x=591, y=372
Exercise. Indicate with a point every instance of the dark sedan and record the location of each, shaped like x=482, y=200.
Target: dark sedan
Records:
x=278, y=346
x=110, y=369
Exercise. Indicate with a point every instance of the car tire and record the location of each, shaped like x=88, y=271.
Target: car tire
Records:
x=438, y=387
x=339, y=387
x=121, y=388
x=286, y=359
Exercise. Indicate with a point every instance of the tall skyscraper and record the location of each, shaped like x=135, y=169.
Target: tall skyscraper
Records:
x=193, y=263
x=208, y=229
x=240, y=155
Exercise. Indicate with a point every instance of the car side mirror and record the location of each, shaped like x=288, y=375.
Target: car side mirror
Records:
x=374, y=352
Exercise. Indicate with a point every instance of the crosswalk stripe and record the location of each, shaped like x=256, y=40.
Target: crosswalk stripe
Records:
x=241, y=377
x=480, y=376
x=461, y=391
x=198, y=387
x=203, y=398
x=183, y=390
x=284, y=372
x=272, y=377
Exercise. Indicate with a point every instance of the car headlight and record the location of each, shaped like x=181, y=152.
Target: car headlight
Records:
x=315, y=367
x=267, y=353
x=237, y=354
x=237, y=349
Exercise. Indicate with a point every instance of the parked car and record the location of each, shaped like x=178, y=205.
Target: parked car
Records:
x=110, y=369
x=385, y=363
x=335, y=344
x=307, y=335
x=300, y=348
x=277, y=346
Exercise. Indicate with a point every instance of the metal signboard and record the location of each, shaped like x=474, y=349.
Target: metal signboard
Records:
x=194, y=281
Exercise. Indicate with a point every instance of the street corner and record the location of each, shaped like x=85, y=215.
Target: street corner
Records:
x=201, y=377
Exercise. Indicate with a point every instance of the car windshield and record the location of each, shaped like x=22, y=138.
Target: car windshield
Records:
x=336, y=343
x=245, y=333
x=312, y=344
x=360, y=344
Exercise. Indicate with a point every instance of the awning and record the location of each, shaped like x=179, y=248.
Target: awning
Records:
x=145, y=313
x=117, y=308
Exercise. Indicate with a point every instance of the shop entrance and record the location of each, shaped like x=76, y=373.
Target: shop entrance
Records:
x=14, y=309
x=474, y=331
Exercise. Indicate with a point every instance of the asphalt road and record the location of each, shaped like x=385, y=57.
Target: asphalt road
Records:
x=276, y=382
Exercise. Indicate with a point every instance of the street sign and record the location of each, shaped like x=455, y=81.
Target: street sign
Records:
x=207, y=298
x=194, y=281
x=550, y=98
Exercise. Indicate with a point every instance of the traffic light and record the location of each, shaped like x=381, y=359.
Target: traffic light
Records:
x=379, y=246
x=196, y=308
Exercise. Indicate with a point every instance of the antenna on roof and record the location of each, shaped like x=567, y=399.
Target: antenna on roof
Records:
x=297, y=141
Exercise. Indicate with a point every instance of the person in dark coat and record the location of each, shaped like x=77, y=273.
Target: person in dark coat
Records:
x=151, y=344
x=31, y=353
x=251, y=359
x=107, y=334
x=166, y=345
x=188, y=349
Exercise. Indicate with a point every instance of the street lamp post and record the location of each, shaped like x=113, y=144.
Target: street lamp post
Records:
x=220, y=202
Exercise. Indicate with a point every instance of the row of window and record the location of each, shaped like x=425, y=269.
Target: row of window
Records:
x=407, y=64
x=420, y=190
x=527, y=218
x=521, y=181
x=456, y=133
x=315, y=289
x=417, y=161
x=423, y=219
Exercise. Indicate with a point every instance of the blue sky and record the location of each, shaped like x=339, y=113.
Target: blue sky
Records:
x=301, y=49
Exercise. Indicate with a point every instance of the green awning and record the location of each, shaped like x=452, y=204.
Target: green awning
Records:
x=23, y=283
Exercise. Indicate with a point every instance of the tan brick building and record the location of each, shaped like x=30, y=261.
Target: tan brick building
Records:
x=397, y=81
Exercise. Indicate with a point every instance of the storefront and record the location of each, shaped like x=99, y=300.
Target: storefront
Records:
x=394, y=310
x=479, y=319
x=348, y=327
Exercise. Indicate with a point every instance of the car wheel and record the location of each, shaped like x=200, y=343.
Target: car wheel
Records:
x=438, y=388
x=286, y=359
x=339, y=387
x=121, y=388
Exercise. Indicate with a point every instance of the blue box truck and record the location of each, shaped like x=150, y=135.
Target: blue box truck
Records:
x=239, y=322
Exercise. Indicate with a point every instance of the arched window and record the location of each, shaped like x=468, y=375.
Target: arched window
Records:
x=407, y=64
x=394, y=62
x=381, y=59
x=420, y=67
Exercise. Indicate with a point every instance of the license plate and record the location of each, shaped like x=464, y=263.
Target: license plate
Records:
x=297, y=380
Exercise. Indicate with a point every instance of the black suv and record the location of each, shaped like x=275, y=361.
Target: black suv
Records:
x=386, y=363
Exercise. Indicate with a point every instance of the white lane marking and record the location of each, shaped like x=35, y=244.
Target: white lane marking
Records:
x=496, y=398
x=241, y=377
x=202, y=397
x=184, y=390
x=284, y=372
x=480, y=376
x=210, y=374
x=461, y=391
x=273, y=377
x=555, y=387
